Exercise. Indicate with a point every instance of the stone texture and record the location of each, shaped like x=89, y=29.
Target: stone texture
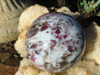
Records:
x=10, y=11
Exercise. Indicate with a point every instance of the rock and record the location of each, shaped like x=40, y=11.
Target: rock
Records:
x=20, y=44
x=10, y=11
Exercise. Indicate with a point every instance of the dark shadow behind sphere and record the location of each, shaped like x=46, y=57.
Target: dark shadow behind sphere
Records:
x=90, y=34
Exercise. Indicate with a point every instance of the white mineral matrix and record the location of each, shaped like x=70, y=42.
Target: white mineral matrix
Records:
x=54, y=42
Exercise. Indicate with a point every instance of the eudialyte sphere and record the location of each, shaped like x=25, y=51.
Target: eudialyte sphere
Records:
x=54, y=42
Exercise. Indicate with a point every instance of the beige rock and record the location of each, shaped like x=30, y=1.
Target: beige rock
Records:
x=29, y=15
x=24, y=63
x=45, y=73
x=29, y=71
x=78, y=71
x=94, y=48
x=10, y=11
x=65, y=10
x=91, y=67
x=27, y=68
x=20, y=44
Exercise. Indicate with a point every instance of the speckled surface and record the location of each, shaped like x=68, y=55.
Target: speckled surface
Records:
x=54, y=41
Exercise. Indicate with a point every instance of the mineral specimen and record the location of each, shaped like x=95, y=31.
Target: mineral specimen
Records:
x=54, y=42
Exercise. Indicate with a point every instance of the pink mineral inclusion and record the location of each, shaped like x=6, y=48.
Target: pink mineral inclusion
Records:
x=69, y=47
x=75, y=48
x=54, y=43
x=59, y=37
x=33, y=58
x=34, y=46
x=39, y=65
x=44, y=27
x=77, y=42
x=57, y=31
x=65, y=36
x=47, y=31
x=36, y=52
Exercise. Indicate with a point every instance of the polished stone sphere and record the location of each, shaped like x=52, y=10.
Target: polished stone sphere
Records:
x=54, y=42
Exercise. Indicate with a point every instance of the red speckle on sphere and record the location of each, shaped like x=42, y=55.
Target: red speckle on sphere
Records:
x=28, y=54
x=67, y=42
x=77, y=42
x=55, y=18
x=71, y=40
x=40, y=49
x=62, y=19
x=47, y=31
x=57, y=31
x=57, y=36
x=65, y=36
x=74, y=42
x=40, y=65
x=34, y=46
x=69, y=47
x=63, y=43
x=75, y=48
x=51, y=32
x=44, y=27
x=33, y=58
x=60, y=37
x=46, y=22
x=57, y=26
x=54, y=43
x=36, y=52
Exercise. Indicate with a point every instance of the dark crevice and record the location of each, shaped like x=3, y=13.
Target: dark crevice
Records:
x=93, y=19
x=14, y=4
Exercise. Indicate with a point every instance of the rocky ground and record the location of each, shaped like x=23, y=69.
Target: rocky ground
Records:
x=9, y=59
